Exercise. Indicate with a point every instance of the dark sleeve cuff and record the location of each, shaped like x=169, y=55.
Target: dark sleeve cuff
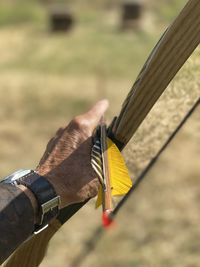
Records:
x=16, y=219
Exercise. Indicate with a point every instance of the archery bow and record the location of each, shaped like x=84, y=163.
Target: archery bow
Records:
x=95, y=237
x=168, y=56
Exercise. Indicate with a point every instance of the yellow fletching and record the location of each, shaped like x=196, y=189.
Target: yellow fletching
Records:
x=99, y=197
x=119, y=177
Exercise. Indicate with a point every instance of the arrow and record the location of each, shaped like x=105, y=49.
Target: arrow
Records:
x=111, y=169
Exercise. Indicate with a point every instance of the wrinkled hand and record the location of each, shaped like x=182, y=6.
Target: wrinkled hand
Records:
x=66, y=161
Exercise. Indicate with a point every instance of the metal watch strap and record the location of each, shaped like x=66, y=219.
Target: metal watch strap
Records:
x=48, y=200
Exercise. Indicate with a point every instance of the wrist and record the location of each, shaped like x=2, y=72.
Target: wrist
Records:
x=38, y=189
x=47, y=199
x=33, y=201
x=56, y=184
x=49, y=177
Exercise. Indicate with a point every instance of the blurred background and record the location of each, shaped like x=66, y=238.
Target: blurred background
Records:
x=57, y=59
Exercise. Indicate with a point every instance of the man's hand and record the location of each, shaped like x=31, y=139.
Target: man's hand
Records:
x=66, y=161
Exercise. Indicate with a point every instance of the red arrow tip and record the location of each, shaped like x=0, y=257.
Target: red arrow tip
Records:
x=107, y=220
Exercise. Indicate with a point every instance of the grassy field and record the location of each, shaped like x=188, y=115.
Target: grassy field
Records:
x=47, y=79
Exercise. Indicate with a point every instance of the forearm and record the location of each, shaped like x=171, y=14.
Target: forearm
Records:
x=16, y=219
x=66, y=165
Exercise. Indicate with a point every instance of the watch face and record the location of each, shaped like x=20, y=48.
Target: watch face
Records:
x=10, y=179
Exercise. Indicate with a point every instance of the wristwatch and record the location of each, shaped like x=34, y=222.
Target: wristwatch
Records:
x=48, y=200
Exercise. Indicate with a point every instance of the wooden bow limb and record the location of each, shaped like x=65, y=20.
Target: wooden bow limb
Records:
x=170, y=53
x=174, y=48
x=32, y=252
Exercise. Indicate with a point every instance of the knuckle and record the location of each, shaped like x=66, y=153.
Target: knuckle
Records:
x=60, y=131
x=76, y=122
x=50, y=144
x=80, y=123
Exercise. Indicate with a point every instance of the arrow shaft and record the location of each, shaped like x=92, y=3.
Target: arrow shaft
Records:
x=107, y=197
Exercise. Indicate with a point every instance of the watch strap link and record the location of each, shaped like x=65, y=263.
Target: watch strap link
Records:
x=48, y=200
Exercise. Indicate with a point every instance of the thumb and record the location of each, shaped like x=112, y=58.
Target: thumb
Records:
x=94, y=115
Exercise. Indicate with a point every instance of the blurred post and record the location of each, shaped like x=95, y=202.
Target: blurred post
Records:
x=60, y=17
x=131, y=14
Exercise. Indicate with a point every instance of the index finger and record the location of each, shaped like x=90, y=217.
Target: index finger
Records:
x=93, y=116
